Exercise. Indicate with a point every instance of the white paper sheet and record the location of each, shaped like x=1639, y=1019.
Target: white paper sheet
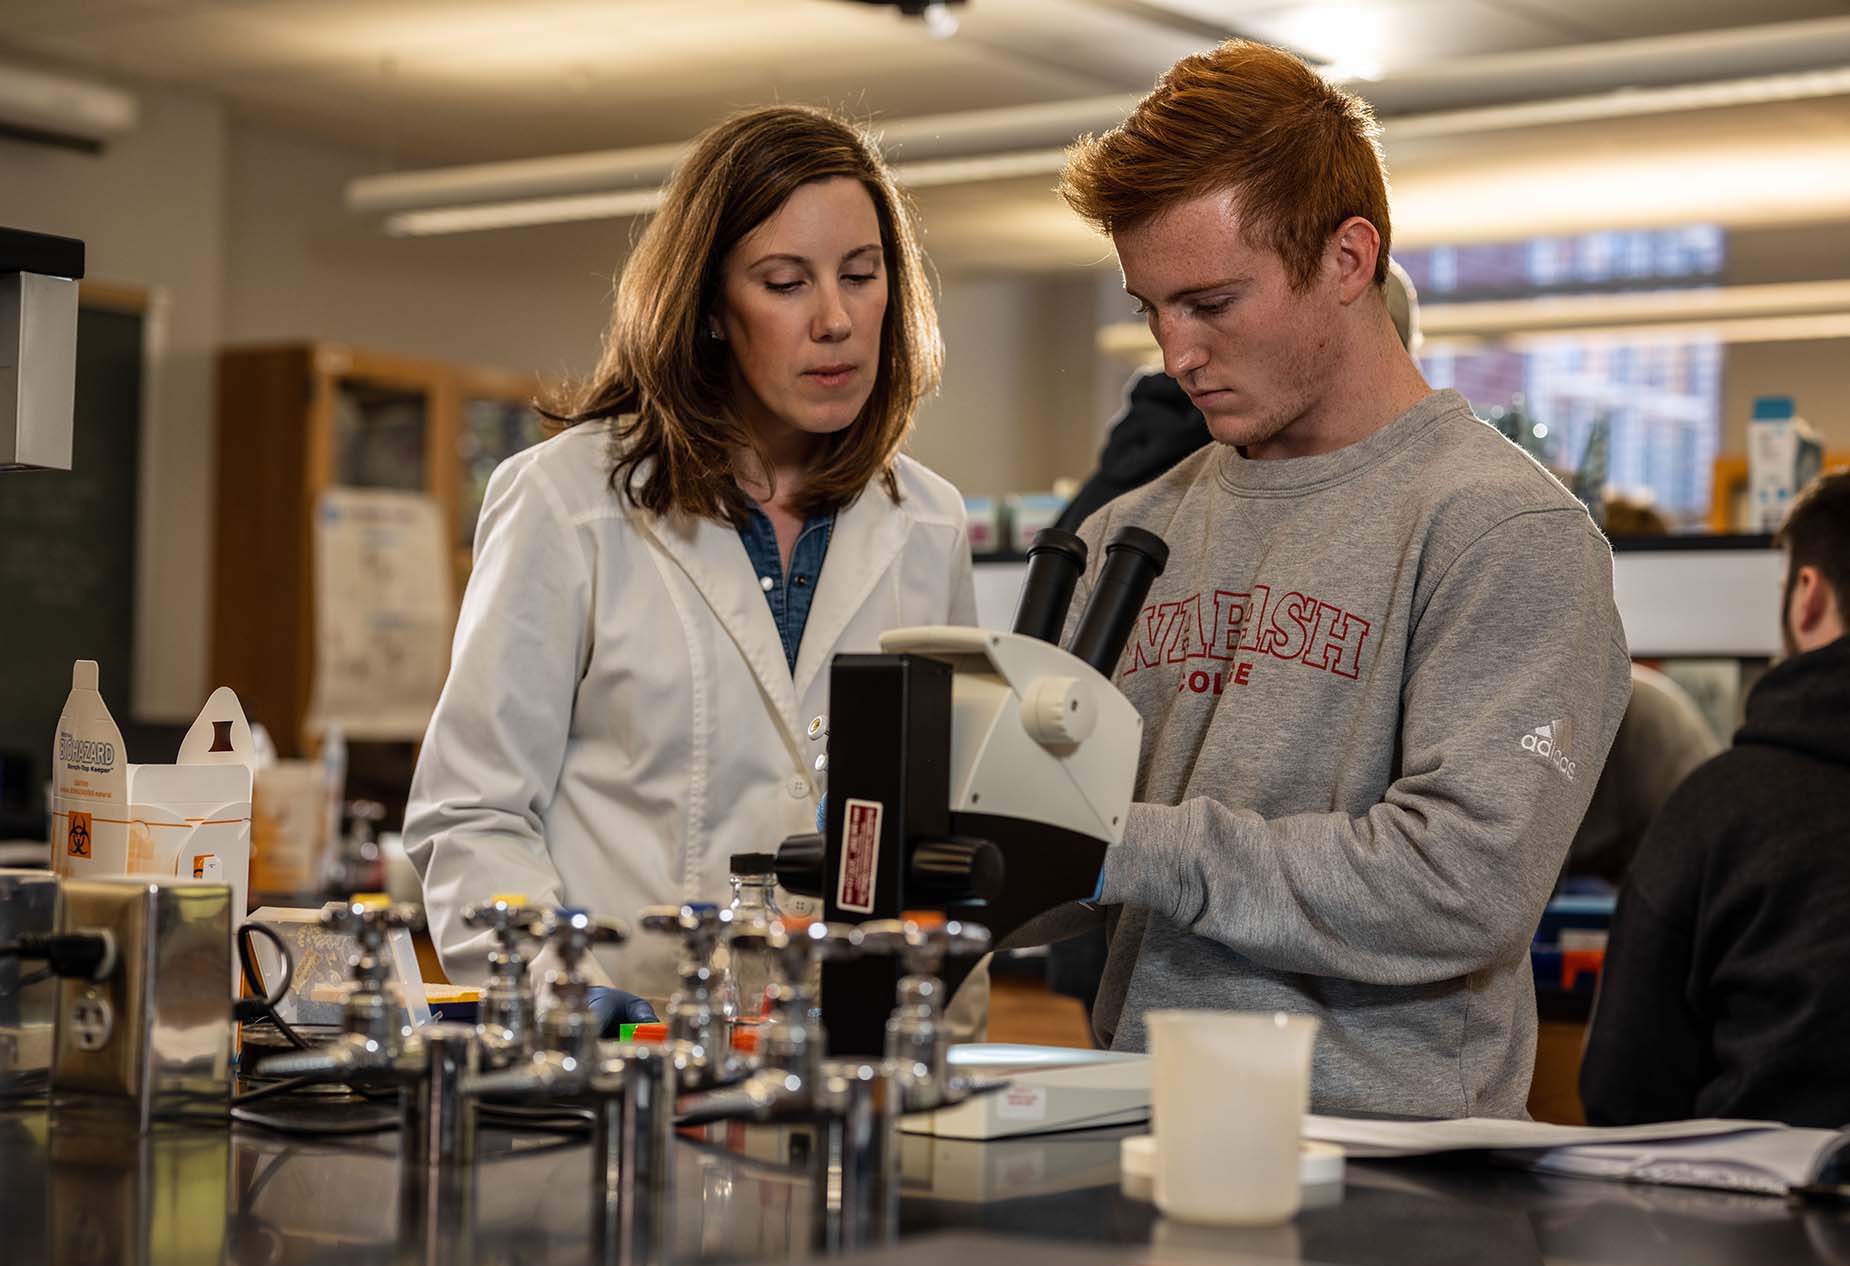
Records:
x=1419, y=1138
x=1751, y=1156
x=1764, y=1161
x=382, y=613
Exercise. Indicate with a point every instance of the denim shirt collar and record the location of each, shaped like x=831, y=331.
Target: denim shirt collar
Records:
x=790, y=596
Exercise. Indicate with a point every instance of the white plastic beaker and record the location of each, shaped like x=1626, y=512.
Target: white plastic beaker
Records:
x=1230, y=1093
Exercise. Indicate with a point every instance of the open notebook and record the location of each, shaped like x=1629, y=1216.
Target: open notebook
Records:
x=1751, y=1156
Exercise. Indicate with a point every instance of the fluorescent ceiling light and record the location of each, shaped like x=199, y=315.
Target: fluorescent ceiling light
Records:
x=1650, y=307
x=955, y=135
x=979, y=167
x=1777, y=329
x=1727, y=314
x=523, y=213
x=1529, y=193
x=1625, y=103
x=1031, y=141
x=1347, y=38
x=527, y=212
x=58, y=105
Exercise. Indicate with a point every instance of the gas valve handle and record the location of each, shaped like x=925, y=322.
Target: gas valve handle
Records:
x=698, y=923
x=511, y=919
x=922, y=947
x=796, y=947
x=370, y=918
x=573, y=931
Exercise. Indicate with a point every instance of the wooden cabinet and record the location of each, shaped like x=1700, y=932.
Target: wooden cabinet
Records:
x=296, y=419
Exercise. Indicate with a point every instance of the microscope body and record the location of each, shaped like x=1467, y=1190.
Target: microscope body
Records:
x=979, y=773
x=975, y=772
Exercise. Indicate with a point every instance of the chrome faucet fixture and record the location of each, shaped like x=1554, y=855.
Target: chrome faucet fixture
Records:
x=506, y=1020
x=918, y=1037
x=699, y=1032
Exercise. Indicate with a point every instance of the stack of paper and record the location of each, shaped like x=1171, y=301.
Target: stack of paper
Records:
x=1755, y=1156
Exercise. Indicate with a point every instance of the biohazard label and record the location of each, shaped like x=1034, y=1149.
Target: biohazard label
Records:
x=77, y=838
x=860, y=856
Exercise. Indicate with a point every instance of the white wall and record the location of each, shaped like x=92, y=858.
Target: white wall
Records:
x=151, y=211
x=1018, y=407
x=300, y=266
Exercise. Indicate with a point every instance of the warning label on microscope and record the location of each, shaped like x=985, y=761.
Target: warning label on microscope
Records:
x=860, y=856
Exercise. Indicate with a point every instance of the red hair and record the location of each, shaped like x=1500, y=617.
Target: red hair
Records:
x=1301, y=155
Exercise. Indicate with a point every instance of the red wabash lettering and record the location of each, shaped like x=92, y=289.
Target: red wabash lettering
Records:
x=1336, y=642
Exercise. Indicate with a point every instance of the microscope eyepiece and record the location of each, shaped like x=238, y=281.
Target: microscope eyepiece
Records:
x=1056, y=560
x=1133, y=561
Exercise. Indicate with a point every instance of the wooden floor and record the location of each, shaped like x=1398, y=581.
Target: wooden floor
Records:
x=1025, y=1011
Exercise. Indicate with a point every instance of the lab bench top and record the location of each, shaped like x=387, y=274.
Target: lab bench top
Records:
x=245, y=1195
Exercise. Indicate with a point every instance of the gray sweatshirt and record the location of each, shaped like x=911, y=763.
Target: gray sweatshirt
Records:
x=1378, y=686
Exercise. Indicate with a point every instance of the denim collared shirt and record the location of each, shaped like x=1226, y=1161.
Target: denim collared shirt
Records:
x=789, y=596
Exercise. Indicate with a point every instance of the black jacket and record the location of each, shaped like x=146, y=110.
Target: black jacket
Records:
x=1726, y=990
x=1158, y=427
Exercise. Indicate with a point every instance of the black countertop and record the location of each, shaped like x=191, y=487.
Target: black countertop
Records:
x=248, y=1196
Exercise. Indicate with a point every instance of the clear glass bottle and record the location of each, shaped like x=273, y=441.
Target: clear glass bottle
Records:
x=754, y=900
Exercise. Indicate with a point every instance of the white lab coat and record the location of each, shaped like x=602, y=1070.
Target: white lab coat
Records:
x=619, y=717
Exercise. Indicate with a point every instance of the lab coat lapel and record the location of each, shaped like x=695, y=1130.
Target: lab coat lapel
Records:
x=714, y=559
x=867, y=538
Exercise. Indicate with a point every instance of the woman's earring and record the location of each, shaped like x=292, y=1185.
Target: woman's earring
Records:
x=714, y=334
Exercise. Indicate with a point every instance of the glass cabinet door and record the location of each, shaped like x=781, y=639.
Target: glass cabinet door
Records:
x=492, y=431
x=380, y=435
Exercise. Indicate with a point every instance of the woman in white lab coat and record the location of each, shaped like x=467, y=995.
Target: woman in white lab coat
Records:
x=632, y=677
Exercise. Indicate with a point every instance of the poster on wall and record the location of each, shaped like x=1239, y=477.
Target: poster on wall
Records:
x=383, y=614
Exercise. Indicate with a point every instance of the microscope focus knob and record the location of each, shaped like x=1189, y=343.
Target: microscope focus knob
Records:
x=950, y=872
x=1058, y=711
x=799, y=864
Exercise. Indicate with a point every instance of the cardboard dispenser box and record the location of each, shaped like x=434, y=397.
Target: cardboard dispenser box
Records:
x=190, y=820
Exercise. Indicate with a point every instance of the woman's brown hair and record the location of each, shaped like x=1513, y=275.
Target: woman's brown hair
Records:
x=666, y=387
x=1303, y=156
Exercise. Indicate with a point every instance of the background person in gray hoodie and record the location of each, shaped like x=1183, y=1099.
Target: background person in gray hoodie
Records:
x=1383, y=667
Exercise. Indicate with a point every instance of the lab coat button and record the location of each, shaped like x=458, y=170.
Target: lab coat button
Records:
x=798, y=786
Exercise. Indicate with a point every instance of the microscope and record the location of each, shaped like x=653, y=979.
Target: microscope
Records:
x=976, y=773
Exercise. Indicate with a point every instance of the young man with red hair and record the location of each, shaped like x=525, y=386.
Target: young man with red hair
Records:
x=1383, y=667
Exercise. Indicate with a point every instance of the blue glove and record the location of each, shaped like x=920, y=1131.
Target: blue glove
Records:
x=614, y=1007
x=822, y=813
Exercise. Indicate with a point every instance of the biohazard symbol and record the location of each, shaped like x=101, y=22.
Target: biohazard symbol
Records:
x=78, y=844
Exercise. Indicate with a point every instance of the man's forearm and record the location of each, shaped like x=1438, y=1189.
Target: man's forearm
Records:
x=1406, y=894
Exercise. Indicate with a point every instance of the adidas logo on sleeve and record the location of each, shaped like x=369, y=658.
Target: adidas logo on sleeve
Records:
x=1551, y=742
